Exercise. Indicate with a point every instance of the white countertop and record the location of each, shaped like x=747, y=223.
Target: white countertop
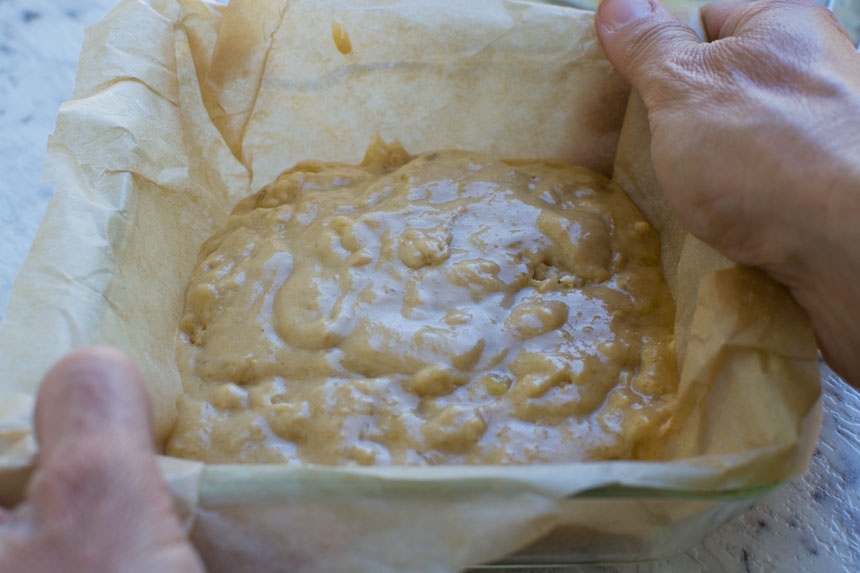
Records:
x=811, y=524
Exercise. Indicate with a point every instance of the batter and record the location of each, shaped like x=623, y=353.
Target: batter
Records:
x=448, y=308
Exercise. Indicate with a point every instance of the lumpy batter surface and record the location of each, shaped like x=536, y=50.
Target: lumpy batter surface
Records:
x=443, y=309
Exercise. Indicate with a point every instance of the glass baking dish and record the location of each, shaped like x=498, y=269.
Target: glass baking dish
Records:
x=610, y=524
x=613, y=524
x=656, y=525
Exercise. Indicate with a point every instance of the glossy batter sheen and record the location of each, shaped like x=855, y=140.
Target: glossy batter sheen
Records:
x=444, y=309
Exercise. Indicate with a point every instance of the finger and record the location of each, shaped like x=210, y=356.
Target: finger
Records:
x=639, y=38
x=93, y=393
x=721, y=20
x=95, y=435
x=97, y=489
x=739, y=18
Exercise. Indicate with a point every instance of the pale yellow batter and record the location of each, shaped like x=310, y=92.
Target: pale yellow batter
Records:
x=444, y=309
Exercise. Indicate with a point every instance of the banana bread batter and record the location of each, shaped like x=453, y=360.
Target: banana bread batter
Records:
x=443, y=309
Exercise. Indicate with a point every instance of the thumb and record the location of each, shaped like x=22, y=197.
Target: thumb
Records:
x=643, y=40
x=96, y=457
x=97, y=499
x=94, y=428
x=96, y=393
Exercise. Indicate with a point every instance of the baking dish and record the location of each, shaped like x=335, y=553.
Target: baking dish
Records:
x=152, y=140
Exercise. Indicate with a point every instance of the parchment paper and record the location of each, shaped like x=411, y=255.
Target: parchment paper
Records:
x=183, y=108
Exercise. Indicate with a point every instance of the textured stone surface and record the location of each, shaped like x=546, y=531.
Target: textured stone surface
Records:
x=810, y=524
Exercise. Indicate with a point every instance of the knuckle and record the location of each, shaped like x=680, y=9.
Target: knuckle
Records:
x=678, y=79
x=652, y=42
x=664, y=61
x=781, y=17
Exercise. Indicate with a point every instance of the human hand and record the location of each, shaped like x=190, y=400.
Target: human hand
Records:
x=756, y=143
x=96, y=502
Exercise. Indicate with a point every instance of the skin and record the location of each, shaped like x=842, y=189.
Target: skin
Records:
x=767, y=172
x=767, y=115
x=96, y=501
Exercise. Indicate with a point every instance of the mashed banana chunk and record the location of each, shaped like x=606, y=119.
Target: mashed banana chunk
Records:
x=448, y=308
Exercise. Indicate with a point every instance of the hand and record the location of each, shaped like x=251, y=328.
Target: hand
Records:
x=96, y=501
x=756, y=143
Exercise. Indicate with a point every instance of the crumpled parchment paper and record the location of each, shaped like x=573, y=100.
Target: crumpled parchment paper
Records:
x=181, y=108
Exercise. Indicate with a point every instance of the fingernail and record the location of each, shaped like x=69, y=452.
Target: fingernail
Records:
x=616, y=14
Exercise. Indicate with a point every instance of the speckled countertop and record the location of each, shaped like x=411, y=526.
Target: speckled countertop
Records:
x=810, y=524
